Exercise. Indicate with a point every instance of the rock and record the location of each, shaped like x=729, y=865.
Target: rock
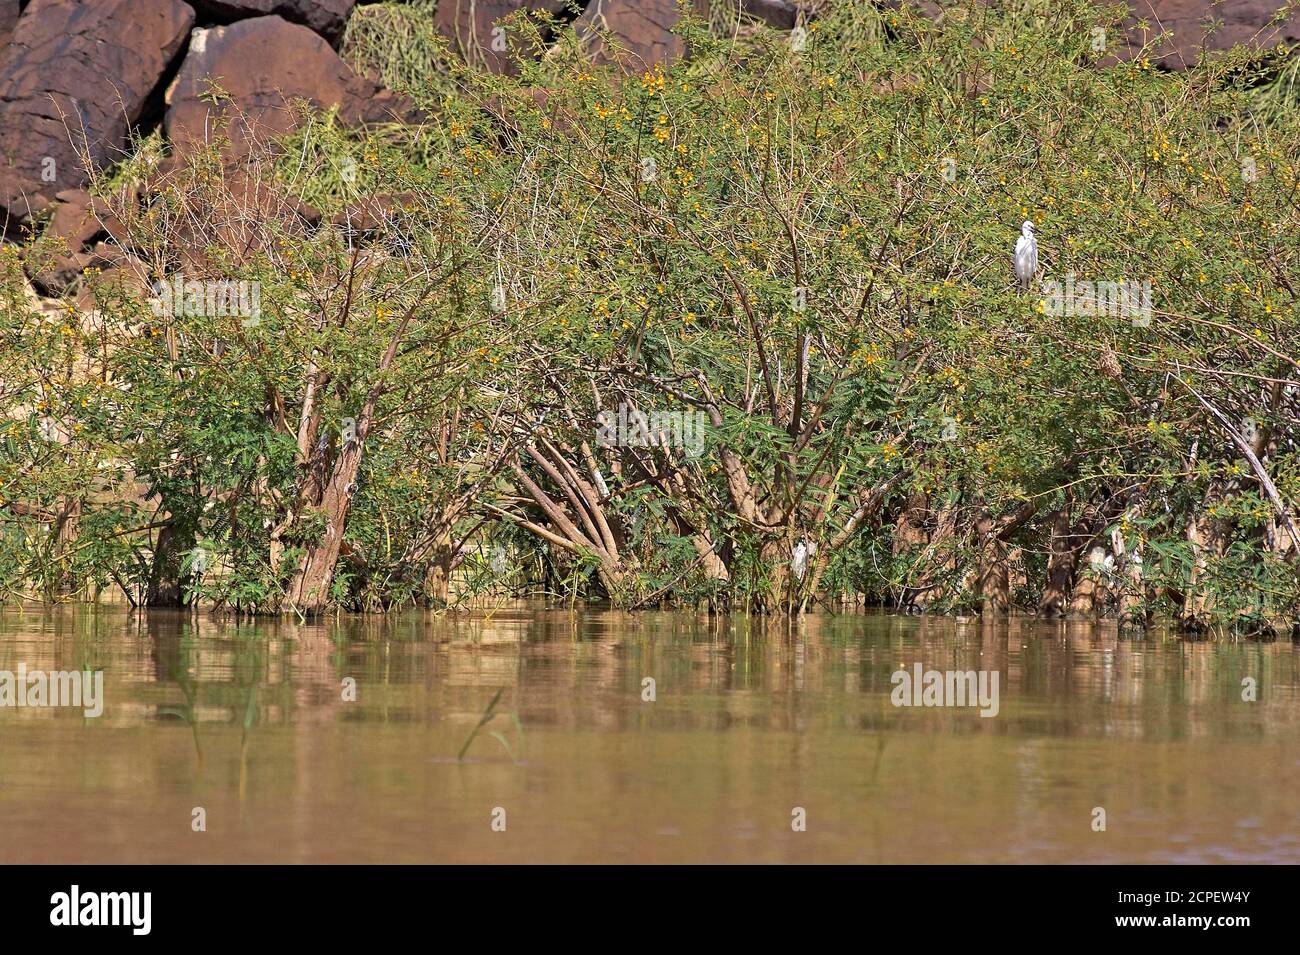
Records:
x=264, y=65
x=53, y=276
x=642, y=27
x=470, y=26
x=775, y=13
x=326, y=17
x=8, y=18
x=88, y=67
x=79, y=219
x=1247, y=22
x=79, y=222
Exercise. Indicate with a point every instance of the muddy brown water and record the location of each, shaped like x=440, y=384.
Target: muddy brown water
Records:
x=750, y=721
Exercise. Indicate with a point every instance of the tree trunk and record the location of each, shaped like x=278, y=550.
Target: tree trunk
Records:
x=941, y=556
x=993, y=585
x=775, y=556
x=437, y=583
x=1061, y=561
x=1205, y=535
x=308, y=591
x=67, y=530
x=1128, y=555
x=168, y=585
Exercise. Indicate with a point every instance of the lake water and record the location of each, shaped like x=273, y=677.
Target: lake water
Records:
x=751, y=720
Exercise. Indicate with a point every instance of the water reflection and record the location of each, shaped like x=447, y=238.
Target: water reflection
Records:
x=751, y=719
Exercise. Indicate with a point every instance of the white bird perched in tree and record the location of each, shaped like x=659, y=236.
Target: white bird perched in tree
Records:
x=1026, y=255
x=799, y=560
x=1102, y=562
x=804, y=550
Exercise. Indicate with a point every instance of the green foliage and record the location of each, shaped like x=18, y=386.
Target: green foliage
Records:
x=809, y=247
x=400, y=43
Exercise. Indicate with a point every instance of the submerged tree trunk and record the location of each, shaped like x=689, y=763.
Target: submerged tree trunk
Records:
x=1061, y=560
x=437, y=582
x=779, y=592
x=1132, y=604
x=1090, y=591
x=1205, y=537
x=308, y=591
x=67, y=529
x=993, y=583
x=168, y=584
x=940, y=557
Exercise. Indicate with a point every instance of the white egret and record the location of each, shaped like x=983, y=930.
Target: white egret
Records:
x=799, y=560
x=803, y=552
x=1102, y=562
x=1026, y=255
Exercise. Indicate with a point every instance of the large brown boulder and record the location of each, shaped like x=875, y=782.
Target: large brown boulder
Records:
x=79, y=219
x=75, y=233
x=77, y=72
x=1247, y=22
x=326, y=17
x=474, y=31
x=266, y=66
x=781, y=14
x=8, y=18
x=642, y=28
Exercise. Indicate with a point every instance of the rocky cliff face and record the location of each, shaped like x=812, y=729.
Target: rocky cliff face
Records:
x=1248, y=22
x=263, y=65
x=9, y=11
x=74, y=77
x=326, y=17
